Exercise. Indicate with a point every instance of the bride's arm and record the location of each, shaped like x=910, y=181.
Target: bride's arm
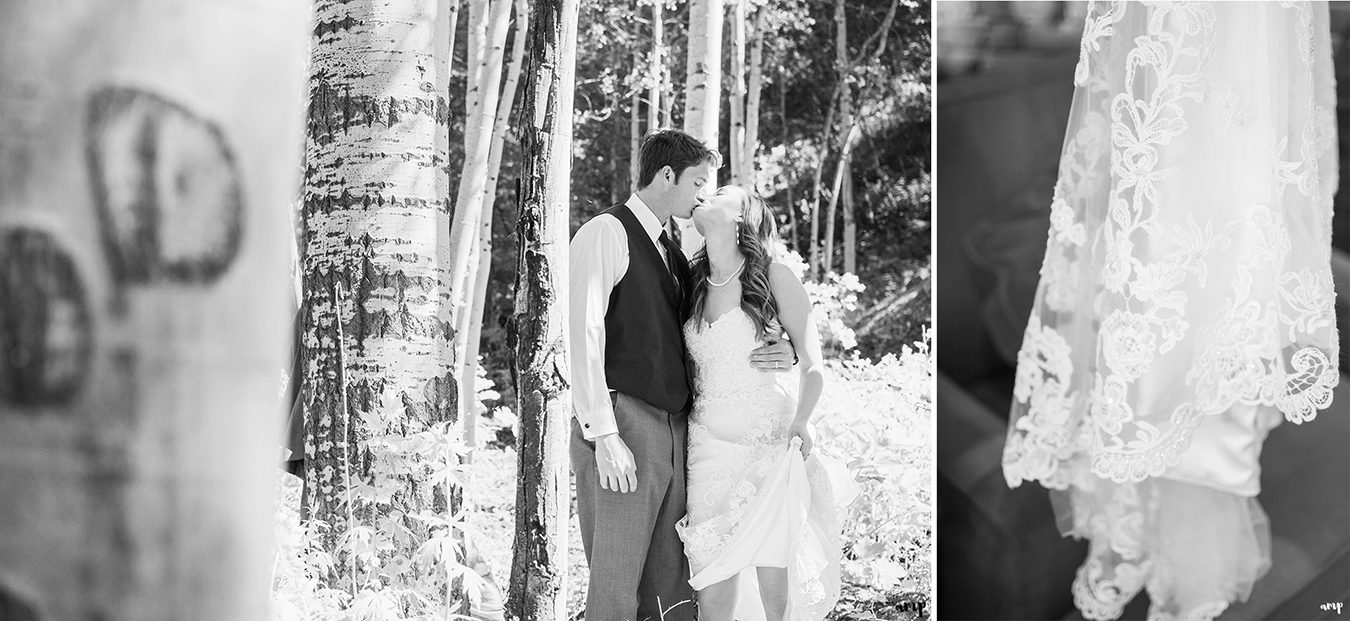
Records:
x=794, y=312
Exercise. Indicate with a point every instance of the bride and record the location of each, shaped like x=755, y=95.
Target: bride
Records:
x=762, y=512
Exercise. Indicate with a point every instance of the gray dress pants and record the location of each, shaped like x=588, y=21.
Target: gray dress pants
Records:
x=637, y=562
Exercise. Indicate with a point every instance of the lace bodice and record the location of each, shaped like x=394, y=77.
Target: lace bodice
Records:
x=722, y=372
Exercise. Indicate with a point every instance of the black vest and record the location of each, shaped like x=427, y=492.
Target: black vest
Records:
x=644, y=340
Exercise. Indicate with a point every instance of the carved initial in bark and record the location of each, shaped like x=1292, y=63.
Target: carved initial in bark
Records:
x=45, y=341
x=166, y=188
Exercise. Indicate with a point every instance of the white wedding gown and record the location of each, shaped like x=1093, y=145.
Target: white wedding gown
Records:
x=752, y=500
x=1185, y=305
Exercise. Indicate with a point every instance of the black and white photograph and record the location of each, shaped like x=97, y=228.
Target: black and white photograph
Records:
x=674, y=310
x=1143, y=263
x=374, y=310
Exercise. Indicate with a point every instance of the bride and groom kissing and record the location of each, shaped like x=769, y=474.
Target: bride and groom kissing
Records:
x=690, y=443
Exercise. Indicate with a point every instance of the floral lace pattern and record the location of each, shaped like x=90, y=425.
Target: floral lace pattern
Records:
x=1188, y=265
x=1095, y=29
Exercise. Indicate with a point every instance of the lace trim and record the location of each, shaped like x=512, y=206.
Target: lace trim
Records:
x=1305, y=32
x=1039, y=441
x=1102, y=596
x=1094, y=30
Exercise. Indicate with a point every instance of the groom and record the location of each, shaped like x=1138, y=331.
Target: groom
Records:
x=631, y=389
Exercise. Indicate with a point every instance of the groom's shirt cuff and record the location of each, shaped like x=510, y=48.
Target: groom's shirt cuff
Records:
x=596, y=423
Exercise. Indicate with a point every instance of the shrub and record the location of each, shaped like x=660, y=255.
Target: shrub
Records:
x=880, y=426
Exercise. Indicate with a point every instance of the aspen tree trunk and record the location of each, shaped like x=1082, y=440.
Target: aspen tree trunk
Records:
x=378, y=333
x=454, y=6
x=703, y=92
x=634, y=139
x=667, y=97
x=827, y=243
x=470, y=212
x=539, y=566
x=841, y=68
x=657, y=67
x=750, y=145
x=146, y=161
x=737, y=95
x=475, y=49
x=843, y=192
x=850, y=227
x=841, y=92
x=634, y=109
x=469, y=372
x=841, y=171
x=816, y=188
x=614, y=181
x=792, y=205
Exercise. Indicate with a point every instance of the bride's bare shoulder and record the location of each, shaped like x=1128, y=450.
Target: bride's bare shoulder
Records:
x=783, y=278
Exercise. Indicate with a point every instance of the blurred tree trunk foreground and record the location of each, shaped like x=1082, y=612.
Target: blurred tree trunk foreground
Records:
x=144, y=170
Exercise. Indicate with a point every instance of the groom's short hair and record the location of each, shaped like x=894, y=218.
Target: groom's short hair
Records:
x=673, y=148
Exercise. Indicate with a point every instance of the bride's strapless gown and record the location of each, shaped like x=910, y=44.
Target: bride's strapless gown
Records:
x=752, y=500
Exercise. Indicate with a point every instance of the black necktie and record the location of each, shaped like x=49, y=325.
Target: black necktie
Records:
x=672, y=255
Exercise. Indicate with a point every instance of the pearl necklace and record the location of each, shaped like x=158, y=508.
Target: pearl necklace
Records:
x=729, y=278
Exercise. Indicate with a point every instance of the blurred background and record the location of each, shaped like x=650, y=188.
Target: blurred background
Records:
x=1005, y=83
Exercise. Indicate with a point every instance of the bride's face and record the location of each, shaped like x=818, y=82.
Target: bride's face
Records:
x=719, y=215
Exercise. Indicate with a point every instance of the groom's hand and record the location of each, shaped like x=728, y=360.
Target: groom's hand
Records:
x=618, y=471
x=775, y=356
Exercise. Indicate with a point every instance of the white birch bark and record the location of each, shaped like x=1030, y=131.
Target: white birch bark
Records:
x=465, y=232
x=752, y=102
x=146, y=161
x=737, y=96
x=703, y=92
x=468, y=367
x=635, y=111
x=634, y=138
x=656, y=68
x=475, y=49
x=377, y=323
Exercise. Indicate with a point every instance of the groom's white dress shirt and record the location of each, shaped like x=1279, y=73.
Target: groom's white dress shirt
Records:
x=599, y=260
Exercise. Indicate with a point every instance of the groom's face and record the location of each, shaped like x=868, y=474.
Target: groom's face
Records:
x=688, y=191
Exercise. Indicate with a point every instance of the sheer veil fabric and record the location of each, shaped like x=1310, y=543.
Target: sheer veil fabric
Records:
x=1185, y=305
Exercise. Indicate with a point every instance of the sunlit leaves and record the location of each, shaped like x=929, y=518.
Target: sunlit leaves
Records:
x=877, y=420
